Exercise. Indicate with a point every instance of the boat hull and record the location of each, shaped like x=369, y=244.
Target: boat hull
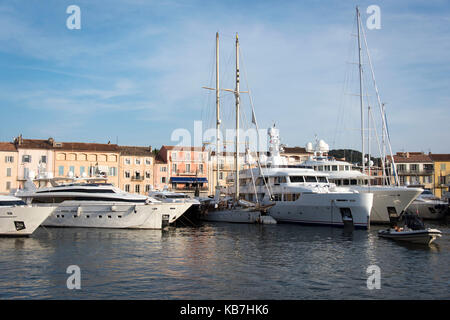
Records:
x=325, y=209
x=430, y=210
x=232, y=216
x=386, y=198
x=22, y=220
x=117, y=215
x=414, y=236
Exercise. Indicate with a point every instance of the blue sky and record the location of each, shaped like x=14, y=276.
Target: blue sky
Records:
x=134, y=71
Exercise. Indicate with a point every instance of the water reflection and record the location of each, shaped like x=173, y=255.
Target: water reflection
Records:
x=221, y=261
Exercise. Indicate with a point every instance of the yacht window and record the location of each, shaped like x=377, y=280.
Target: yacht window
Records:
x=279, y=180
x=346, y=182
x=353, y=182
x=341, y=168
x=347, y=168
x=310, y=179
x=334, y=168
x=327, y=168
x=320, y=168
x=277, y=197
x=366, y=181
x=295, y=196
x=338, y=182
x=295, y=179
x=12, y=203
x=322, y=179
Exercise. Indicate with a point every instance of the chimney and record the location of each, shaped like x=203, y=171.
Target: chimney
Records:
x=51, y=141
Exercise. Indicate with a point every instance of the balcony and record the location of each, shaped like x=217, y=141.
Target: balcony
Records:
x=426, y=172
x=137, y=178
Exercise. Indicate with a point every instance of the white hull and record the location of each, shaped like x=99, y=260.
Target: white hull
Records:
x=98, y=214
x=324, y=209
x=22, y=220
x=431, y=209
x=385, y=197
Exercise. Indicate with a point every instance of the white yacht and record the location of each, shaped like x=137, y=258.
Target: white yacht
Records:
x=388, y=201
x=95, y=203
x=19, y=219
x=428, y=206
x=303, y=195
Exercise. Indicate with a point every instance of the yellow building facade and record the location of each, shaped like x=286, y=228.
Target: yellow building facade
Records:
x=441, y=173
x=8, y=167
x=136, y=165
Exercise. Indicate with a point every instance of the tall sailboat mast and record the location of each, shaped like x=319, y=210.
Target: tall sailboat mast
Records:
x=217, y=111
x=360, y=88
x=237, y=95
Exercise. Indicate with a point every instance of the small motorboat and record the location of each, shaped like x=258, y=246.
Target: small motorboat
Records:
x=412, y=231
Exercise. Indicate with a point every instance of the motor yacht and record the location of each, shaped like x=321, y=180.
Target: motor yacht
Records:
x=388, y=201
x=302, y=195
x=428, y=206
x=91, y=202
x=19, y=219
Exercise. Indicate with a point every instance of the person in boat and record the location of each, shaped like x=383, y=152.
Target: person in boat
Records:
x=413, y=222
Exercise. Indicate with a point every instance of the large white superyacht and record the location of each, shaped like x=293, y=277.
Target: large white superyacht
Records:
x=389, y=201
x=303, y=195
x=98, y=204
x=19, y=219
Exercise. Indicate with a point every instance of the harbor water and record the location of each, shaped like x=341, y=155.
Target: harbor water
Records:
x=223, y=261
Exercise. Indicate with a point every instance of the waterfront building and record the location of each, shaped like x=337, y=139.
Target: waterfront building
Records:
x=441, y=173
x=35, y=159
x=136, y=166
x=76, y=159
x=187, y=168
x=295, y=155
x=414, y=168
x=8, y=167
x=161, y=174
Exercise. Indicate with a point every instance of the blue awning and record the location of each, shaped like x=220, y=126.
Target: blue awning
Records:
x=188, y=180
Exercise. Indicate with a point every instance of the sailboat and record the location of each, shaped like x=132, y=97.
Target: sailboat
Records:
x=232, y=209
x=389, y=200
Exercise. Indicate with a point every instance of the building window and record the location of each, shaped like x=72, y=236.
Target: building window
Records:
x=72, y=169
x=8, y=172
x=8, y=185
x=82, y=170
x=127, y=188
x=9, y=159
x=61, y=170
x=187, y=156
x=414, y=167
x=137, y=174
x=148, y=161
x=188, y=167
x=200, y=167
x=174, y=168
x=220, y=175
x=137, y=188
x=163, y=169
x=443, y=167
x=147, y=188
x=174, y=156
x=112, y=171
x=137, y=161
x=26, y=173
x=163, y=179
x=43, y=159
x=127, y=174
x=147, y=175
x=26, y=158
x=127, y=161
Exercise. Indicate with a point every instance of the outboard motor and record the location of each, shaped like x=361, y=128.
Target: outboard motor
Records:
x=413, y=222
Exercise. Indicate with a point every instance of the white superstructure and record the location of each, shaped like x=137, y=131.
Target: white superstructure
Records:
x=303, y=195
x=19, y=219
x=101, y=205
x=388, y=200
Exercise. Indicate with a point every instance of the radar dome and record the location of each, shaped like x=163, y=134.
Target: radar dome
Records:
x=309, y=147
